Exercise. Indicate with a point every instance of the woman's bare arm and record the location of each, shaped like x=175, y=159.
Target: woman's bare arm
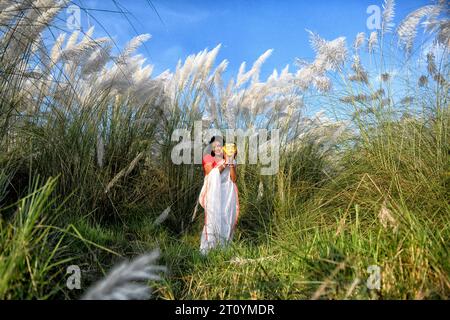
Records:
x=233, y=174
x=209, y=167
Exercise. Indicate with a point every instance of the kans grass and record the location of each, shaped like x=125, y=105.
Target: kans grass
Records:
x=86, y=176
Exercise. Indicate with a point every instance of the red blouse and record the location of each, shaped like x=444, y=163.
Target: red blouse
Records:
x=208, y=159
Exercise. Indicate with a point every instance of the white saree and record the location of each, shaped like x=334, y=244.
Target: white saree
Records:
x=219, y=198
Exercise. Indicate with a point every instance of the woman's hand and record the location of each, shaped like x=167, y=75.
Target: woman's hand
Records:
x=221, y=165
x=230, y=160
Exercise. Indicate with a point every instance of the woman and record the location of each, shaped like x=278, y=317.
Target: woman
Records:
x=219, y=197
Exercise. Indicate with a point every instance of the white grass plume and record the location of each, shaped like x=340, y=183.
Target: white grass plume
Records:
x=316, y=41
x=124, y=172
x=359, y=40
x=82, y=49
x=29, y=26
x=132, y=46
x=11, y=10
x=260, y=191
x=100, y=150
x=128, y=280
x=373, y=41
x=388, y=16
x=55, y=52
x=407, y=29
x=163, y=216
x=97, y=61
x=330, y=54
x=386, y=218
x=360, y=74
x=323, y=84
x=254, y=72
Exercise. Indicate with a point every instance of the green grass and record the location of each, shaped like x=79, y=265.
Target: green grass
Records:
x=309, y=236
x=32, y=253
x=378, y=196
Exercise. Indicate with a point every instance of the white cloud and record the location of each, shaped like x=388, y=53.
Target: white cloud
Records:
x=182, y=15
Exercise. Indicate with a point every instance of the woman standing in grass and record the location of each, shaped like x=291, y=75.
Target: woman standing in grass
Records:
x=219, y=195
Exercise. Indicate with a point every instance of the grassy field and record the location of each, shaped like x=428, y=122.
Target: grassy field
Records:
x=86, y=176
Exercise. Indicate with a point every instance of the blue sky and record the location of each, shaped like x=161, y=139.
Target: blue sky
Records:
x=246, y=28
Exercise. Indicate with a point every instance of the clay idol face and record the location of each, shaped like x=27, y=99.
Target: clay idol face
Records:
x=230, y=150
